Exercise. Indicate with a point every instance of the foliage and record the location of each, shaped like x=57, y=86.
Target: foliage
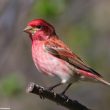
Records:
x=48, y=9
x=11, y=85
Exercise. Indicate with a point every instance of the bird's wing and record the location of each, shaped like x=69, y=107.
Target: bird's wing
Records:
x=58, y=49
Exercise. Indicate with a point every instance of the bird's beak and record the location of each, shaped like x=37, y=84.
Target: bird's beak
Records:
x=28, y=29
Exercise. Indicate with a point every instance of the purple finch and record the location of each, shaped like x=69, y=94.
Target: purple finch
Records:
x=52, y=57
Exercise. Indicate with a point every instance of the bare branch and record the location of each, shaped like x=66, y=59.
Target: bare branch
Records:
x=59, y=99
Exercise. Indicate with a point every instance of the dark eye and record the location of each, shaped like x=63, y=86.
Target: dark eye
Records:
x=39, y=27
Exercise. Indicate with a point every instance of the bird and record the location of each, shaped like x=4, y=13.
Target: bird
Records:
x=53, y=57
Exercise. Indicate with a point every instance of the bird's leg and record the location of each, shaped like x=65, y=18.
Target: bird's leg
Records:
x=52, y=87
x=63, y=93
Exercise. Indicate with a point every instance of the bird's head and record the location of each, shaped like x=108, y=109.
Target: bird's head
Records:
x=39, y=29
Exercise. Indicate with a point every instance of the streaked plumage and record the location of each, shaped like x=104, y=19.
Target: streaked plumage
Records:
x=52, y=57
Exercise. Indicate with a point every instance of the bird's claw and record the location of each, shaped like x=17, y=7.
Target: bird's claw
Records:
x=64, y=96
x=50, y=88
x=41, y=93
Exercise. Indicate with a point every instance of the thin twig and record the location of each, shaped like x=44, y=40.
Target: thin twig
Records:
x=59, y=99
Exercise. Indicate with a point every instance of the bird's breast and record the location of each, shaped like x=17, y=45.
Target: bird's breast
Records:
x=49, y=64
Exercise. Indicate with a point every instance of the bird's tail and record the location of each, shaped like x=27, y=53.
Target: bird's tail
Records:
x=103, y=81
x=93, y=76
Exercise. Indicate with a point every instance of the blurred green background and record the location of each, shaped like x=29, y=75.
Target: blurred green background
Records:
x=82, y=24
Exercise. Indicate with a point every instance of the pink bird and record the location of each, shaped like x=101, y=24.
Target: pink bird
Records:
x=53, y=57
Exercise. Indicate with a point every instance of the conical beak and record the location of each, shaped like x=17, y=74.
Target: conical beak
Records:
x=28, y=29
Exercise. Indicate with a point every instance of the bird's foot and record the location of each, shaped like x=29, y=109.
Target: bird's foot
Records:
x=64, y=96
x=50, y=89
x=41, y=93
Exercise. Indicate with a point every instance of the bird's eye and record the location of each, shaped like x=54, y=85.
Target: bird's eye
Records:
x=39, y=27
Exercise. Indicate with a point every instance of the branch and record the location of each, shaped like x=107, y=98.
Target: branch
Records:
x=59, y=99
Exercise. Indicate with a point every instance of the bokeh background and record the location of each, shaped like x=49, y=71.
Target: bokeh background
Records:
x=82, y=24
